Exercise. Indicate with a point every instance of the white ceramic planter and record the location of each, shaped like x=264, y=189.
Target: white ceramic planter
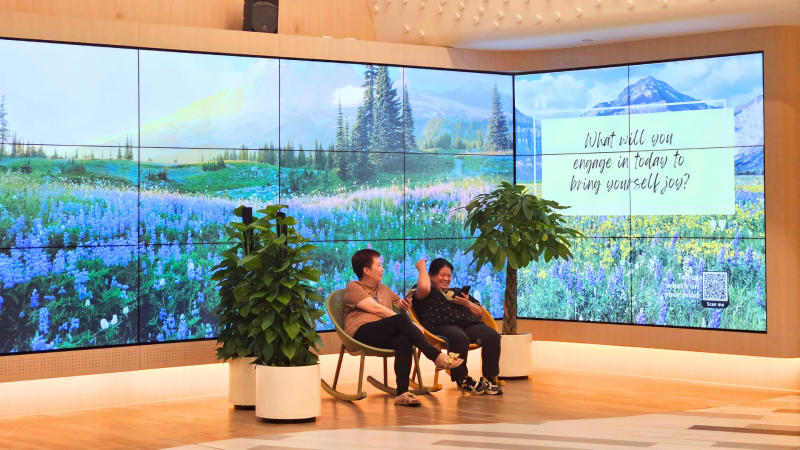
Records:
x=288, y=393
x=515, y=355
x=242, y=382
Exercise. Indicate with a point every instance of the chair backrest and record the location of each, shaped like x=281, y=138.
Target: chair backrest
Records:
x=335, y=308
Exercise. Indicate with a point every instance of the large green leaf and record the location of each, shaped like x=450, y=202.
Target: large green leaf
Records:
x=284, y=297
x=292, y=329
x=289, y=349
x=289, y=282
x=267, y=321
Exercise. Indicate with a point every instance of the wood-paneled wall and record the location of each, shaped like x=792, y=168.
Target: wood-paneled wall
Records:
x=334, y=18
x=781, y=47
x=219, y=14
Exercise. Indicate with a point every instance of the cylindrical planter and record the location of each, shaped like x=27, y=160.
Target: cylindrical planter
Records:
x=288, y=393
x=242, y=383
x=515, y=355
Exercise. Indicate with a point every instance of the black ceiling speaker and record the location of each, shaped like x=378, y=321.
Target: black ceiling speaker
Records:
x=261, y=16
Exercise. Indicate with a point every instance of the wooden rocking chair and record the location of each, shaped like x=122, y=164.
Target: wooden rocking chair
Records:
x=441, y=344
x=333, y=304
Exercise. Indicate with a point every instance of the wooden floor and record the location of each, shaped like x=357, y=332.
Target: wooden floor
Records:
x=547, y=396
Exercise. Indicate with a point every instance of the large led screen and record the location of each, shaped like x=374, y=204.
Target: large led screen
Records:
x=663, y=168
x=119, y=169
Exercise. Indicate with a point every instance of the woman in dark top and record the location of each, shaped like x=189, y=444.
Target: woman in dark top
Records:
x=456, y=317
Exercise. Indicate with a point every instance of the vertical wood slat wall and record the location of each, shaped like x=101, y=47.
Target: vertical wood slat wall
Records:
x=781, y=47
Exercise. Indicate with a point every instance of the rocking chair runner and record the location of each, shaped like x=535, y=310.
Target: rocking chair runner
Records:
x=333, y=304
x=441, y=344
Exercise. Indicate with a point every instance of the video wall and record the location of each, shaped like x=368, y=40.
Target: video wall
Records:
x=119, y=169
x=663, y=167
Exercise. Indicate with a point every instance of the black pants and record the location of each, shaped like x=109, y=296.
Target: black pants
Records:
x=401, y=335
x=458, y=340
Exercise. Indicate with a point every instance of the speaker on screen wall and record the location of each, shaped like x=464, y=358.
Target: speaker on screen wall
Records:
x=261, y=16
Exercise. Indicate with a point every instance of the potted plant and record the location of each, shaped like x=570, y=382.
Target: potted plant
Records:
x=279, y=314
x=516, y=228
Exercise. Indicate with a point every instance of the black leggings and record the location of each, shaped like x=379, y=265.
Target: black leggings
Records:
x=401, y=335
x=458, y=340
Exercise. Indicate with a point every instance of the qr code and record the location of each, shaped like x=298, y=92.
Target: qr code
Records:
x=715, y=286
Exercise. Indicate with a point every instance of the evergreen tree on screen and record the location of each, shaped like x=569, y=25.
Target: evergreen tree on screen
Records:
x=387, y=128
x=338, y=161
x=4, y=134
x=243, y=153
x=340, y=136
x=409, y=140
x=497, y=140
x=320, y=160
x=368, y=117
x=128, y=148
x=302, y=161
x=343, y=158
x=288, y=157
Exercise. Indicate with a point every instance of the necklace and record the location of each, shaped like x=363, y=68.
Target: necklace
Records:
x=449, y=294
x=373, y=292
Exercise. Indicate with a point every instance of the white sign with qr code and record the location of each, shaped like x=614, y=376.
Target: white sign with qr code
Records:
x=715, y=289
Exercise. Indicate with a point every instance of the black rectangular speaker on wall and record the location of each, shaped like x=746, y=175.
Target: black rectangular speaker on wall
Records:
x=261, y=16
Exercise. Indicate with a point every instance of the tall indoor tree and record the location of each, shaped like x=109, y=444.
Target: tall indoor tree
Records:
x=516, y=228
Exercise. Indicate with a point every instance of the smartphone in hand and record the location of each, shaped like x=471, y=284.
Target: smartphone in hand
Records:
x=465, y=290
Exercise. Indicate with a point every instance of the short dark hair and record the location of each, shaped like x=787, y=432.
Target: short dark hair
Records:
x=363, y=259
x=438, y=264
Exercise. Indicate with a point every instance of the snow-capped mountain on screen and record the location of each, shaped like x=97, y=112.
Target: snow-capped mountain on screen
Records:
x=647, y=91
x=748, y=132
x=749, y=136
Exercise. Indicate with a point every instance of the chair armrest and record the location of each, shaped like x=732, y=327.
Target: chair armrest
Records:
x=433, y=339
x=489, y=320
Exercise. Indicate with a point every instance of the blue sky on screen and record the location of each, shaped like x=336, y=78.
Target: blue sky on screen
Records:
x=578, y=89
x=735, y=79
x=69, y=94
x=310, y=94
x=464, y=95
x=196, y=100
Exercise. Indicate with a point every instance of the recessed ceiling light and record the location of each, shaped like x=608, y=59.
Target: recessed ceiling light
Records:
x=588, y=40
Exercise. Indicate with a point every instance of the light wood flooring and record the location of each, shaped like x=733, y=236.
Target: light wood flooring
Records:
x=548, y=395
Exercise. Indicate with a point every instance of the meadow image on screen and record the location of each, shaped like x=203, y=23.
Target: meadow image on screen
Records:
x=120, y=169
x=677, y=145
